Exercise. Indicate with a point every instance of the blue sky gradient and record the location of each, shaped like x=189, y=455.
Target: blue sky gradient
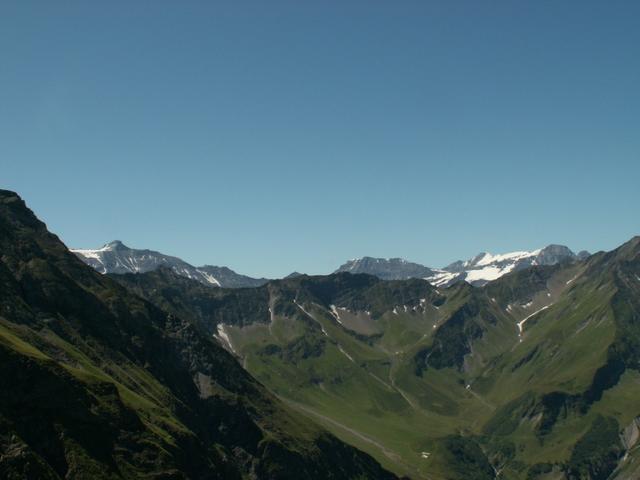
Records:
x=293, y=135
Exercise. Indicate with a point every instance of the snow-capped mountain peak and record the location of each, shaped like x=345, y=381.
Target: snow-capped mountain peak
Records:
x=477, y=270
x=486, y=258
x=486, y=267
x=95, y=252
x=116, y=257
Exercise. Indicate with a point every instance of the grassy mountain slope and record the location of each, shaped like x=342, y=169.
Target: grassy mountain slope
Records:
x=96, y=382
x=520, y=375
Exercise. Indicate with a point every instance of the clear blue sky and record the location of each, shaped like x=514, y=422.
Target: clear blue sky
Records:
x=293, y=135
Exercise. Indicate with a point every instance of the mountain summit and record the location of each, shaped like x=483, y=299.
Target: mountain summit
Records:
x=386, y=268
x=477, y=271
x=116, y=257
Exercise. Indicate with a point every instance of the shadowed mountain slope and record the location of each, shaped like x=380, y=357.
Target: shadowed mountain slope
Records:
x=96, y=382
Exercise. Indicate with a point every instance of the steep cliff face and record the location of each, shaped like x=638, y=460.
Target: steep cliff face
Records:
x=97, y=383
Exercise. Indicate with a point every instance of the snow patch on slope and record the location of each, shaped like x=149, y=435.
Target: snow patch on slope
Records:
x=522, y=322
x=223, y=337
x=488, y=273
x=441, y=277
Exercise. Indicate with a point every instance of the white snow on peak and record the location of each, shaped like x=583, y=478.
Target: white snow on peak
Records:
x=92, y=253
x=488, y=273
x=441, y=277
x=107, y=247
x=95, y=254
x=484, y=267
x=488, y=258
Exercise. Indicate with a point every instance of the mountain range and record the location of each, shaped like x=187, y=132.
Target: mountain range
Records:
x=532, y=374
x=115, y=257
x=476, y=271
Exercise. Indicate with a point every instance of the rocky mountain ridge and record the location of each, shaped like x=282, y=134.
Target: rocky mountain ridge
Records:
x=477, y=271
x=115, y=257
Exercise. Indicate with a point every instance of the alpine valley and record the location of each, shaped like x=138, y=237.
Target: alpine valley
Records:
x=522, y=366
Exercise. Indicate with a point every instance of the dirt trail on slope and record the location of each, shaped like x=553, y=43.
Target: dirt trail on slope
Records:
x=388, y=453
